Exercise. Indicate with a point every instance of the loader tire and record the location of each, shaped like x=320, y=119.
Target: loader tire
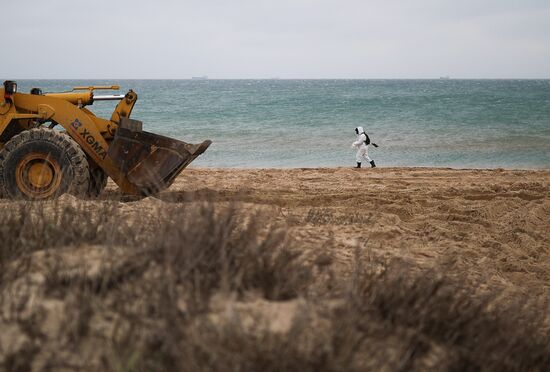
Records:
x=43, y=163
x=98, y=180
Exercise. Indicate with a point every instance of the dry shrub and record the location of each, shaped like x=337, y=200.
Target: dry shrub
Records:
x=392, y=317
x=148, y=304
x=26, y=227
x=471, y=327
x=160, y=268
x=210, y=249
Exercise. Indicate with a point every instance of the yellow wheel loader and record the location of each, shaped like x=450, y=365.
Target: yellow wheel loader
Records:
x=51, y=144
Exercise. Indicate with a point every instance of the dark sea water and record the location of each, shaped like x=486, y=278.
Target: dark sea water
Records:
x=310, y=123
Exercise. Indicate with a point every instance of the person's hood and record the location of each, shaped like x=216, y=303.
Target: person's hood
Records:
x=359, y=130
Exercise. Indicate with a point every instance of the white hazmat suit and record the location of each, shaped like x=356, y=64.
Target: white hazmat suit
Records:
x=362, y=148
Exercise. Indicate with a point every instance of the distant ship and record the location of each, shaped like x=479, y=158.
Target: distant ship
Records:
x=444, y=78
x=199, y=78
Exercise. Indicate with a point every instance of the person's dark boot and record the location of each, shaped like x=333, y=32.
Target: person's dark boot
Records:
x=372, y=165
x=358, y=165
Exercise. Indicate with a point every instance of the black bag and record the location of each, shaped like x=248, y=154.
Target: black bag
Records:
x=367, y=139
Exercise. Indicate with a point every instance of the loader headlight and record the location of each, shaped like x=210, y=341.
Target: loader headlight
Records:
x=10, y=88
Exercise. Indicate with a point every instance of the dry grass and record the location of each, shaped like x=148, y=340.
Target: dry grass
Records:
x=205, y=287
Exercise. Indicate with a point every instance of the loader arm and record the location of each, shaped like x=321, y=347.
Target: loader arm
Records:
x=124, y=107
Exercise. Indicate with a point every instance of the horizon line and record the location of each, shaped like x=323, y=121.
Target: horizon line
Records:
x=277, y=78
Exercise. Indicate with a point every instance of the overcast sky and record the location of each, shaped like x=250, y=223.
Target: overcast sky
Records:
x=280, y=38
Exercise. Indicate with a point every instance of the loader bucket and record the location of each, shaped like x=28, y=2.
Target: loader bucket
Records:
x=151, y=162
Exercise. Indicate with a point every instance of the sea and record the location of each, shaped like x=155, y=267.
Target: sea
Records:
x=310, y=123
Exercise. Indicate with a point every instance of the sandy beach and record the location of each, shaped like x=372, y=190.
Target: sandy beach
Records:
x=298, y=269
x=491, y=222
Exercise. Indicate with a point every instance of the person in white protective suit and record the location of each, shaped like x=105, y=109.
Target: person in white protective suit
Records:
x=362, y=145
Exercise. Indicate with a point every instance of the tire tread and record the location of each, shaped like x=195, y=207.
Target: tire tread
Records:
x=81, y=172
